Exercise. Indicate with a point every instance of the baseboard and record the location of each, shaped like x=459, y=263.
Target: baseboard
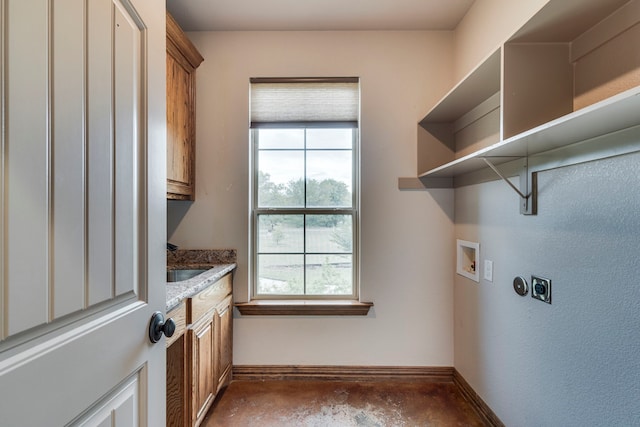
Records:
x=343, y=373
x=476, y=401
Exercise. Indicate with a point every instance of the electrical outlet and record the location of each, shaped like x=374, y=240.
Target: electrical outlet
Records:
x=488, y=270
x=521, y=286
x=541, y=289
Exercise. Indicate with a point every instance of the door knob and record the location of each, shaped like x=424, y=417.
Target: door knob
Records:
x=159, y=326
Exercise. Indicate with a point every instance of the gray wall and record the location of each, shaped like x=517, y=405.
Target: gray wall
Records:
x=575, y=362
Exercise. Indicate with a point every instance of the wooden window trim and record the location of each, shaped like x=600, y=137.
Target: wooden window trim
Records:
x=304, y=308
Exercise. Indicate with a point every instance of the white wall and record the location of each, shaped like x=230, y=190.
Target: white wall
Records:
x=407, y=237
x=487, y=24
x=572, y=363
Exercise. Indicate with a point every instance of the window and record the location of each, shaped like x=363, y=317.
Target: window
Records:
x=305, y=188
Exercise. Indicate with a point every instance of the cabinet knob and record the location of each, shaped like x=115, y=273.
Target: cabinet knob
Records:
x=159, y=326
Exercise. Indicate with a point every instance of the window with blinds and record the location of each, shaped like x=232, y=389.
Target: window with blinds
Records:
x=305, y=139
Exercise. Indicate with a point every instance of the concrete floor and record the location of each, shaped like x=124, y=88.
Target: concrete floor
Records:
x=328, y=404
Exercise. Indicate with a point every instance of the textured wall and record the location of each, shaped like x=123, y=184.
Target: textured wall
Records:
x=407, y=237
x=575, y=362
x=572, y=363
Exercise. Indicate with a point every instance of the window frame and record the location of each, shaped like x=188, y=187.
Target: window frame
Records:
x=353, y=211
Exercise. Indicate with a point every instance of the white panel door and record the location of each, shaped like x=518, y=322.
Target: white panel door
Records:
x=82, y=212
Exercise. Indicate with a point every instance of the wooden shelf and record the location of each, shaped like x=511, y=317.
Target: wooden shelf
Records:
x=616, y=113
x=565, y=20
x=476, y=87
x=466, y=119
x=571, y=74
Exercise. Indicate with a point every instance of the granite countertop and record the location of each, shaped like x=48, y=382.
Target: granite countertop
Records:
x=218, y=262
x=178, y=291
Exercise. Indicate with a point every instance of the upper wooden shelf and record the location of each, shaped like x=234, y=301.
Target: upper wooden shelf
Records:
x=570, y=74
x=611, y=115
x=472, y=90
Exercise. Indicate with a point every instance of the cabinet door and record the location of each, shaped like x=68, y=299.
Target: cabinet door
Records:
x=178, y=395
x=204, y=377
x=224, y=348
x=182, y=60
x=180, y=128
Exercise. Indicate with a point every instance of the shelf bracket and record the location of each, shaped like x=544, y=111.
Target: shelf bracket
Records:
x=528, y=190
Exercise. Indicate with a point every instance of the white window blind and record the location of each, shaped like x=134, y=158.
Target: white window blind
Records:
x=304, y=100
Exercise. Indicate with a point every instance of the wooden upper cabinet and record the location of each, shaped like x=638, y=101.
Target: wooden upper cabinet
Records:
x=182, y=60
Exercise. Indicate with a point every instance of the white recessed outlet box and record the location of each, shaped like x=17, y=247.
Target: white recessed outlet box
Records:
x=468, y=259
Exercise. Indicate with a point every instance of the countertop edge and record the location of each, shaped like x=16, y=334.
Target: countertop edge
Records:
x=178, y=291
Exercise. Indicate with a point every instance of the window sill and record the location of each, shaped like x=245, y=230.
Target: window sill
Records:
x=304, y=308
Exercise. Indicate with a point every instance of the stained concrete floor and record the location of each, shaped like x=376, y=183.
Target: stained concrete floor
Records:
x=340, y=404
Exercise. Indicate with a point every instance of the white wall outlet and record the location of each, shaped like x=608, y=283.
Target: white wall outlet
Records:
x=488, y=270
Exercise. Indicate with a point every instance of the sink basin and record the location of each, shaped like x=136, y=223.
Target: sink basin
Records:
x=179, y=275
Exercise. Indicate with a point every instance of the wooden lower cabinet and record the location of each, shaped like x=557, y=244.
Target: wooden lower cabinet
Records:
x=205, y=378
x=178, y=384
x=199, y=362
x=224, y=316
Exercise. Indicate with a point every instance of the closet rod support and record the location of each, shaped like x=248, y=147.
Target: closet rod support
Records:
x=495, y=169
x=528, y=183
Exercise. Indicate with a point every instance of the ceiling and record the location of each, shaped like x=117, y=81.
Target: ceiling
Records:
x=317, y=15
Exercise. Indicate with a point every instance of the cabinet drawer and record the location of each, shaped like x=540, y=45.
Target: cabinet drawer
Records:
x=207, y=300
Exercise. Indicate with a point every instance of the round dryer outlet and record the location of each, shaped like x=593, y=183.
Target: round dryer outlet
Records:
x=521, y=286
